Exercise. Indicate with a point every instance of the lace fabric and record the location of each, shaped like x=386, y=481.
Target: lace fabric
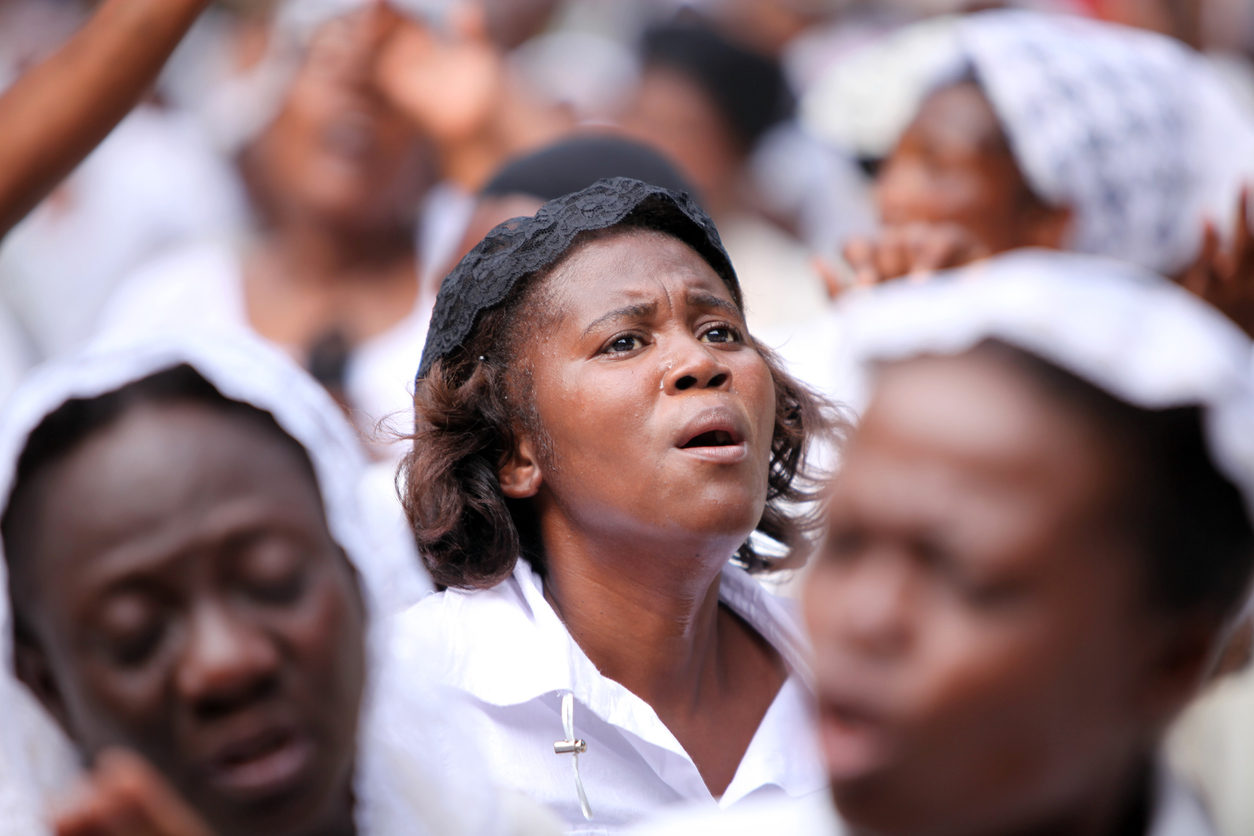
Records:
x=522, y=247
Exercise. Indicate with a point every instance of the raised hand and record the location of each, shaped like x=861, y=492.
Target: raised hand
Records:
x=446, y=76
x=124, y=796
x=914, y=250
x=1224, y=275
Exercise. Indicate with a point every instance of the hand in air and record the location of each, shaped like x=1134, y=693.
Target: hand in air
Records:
x=124, y=796
x=914, y=250
x=446, y=76
x=1224, y=276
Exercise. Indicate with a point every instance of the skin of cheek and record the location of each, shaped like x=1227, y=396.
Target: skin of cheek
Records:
x=998, y=719
x=626, y=487
x=321, y=647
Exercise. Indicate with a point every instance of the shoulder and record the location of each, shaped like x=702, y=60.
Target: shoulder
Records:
x=775, y=618
x=487, y=642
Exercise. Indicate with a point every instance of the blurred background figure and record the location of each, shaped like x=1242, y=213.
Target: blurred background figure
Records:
x=571, y=164
x=709, y=102
x=335, y=174
x=67, y=79
x=1056, y=132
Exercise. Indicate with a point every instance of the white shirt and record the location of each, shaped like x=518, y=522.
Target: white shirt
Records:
x=508, y=654
x=1176, y=813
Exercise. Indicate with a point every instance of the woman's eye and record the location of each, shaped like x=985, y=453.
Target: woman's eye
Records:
x=624, y=344
x=277, y=590
x=843, y=544
x=722, y=334
x=271, y=568
x=131, y=631
x=134, y=651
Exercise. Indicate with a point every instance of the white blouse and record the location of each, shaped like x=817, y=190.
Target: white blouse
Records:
x=508, y=654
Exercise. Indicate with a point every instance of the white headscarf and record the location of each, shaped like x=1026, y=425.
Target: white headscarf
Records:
x=1139, y=337
x=43, y=763
x=1130, y=129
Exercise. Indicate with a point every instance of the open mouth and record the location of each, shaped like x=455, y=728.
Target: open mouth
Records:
x=711, y=438
x=855, y=740
x=263, y=764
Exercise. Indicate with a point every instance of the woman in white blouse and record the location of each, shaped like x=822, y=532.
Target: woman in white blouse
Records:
x=590, y=399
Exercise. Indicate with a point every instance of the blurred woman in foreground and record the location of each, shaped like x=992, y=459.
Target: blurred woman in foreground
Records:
x=1035, y=550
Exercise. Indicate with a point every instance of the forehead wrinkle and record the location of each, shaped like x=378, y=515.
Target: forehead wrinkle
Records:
x=638, y=311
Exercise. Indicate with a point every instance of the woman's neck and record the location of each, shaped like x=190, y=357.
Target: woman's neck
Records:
x=656, y=637
x=313, y=254
x=648, y=617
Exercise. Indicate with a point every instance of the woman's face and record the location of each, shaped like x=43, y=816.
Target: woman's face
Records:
x=954, y=165
x=984, y=653
x=655, y=413
x=190, y=604
x=338, y=150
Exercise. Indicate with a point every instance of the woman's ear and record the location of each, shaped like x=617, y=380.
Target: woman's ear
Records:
x=1184, y=656
x=35, y=672
x=520, y=475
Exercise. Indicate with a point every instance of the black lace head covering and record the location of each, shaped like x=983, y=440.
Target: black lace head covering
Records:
x=523, y=246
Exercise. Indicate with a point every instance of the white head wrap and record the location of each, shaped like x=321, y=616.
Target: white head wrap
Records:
x=1139, y=337
x=32, y=747
x=1130, y=129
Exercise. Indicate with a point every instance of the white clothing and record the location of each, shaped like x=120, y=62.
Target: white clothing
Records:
x=1176, y=813
x=201, y=288
x=1212, y=745
x=506, y=651
x=811, y=815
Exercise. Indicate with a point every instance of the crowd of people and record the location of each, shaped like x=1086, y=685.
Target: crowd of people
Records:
x=570, y=416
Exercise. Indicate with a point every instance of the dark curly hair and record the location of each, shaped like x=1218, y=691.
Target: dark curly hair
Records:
x=471, y=405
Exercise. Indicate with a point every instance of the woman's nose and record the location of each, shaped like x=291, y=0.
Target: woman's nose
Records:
x=695, y=365
x=227, y=659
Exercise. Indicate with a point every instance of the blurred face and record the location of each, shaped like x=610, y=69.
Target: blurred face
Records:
x=657, y=414
x=954, y=165
x=193, y=607
x=338, y=151
x=672, y=113
x=981, y=639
